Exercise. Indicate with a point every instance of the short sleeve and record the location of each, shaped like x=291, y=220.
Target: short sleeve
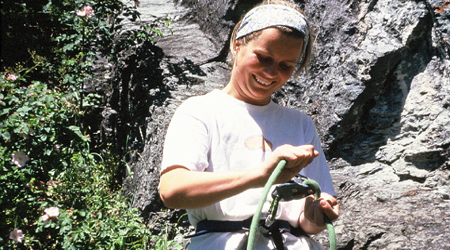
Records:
x=187, y=142
x=318, y=170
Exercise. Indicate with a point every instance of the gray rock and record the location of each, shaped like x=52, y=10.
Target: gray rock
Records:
x=378, y=91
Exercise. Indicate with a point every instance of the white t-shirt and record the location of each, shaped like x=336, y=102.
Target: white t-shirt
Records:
x=216, y=132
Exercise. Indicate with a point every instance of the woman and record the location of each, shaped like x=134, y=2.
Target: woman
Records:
x=221, y=148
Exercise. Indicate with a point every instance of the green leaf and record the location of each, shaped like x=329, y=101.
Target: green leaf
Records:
x=68, y=47
x=4, y=111
x=25, y=109
x=6, y=135
x=49, y=98
x=76, y=130
x=43, y=137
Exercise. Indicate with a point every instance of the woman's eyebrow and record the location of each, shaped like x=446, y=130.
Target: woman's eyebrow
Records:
x=267, y=53
x=291, y=61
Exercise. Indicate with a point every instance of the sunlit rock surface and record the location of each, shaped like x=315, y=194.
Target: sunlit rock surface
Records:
x=378, y=90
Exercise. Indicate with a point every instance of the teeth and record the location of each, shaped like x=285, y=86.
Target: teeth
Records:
x=262, y=82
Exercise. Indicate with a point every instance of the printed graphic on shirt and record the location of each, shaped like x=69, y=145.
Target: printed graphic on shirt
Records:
x=258, y=142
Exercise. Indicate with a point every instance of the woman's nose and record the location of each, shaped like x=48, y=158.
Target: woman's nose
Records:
x=271, y=69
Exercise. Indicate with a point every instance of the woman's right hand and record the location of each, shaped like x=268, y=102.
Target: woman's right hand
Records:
x=297, y=158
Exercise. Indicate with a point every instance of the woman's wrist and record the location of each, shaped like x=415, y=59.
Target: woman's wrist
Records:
x=309, y=226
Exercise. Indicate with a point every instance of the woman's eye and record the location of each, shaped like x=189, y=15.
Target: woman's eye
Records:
x=263, y=58
x=285, y=67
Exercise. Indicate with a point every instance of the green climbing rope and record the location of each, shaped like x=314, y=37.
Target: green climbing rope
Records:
x=257, y=215
x=330, y=227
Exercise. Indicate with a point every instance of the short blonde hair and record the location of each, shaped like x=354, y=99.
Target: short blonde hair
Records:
x=289, y=31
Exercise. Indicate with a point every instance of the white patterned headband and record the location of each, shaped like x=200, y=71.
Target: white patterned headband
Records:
x=269, y=15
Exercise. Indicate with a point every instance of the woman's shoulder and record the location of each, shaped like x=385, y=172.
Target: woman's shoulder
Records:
x=199, y=104
x=292, y=112
x=294, y=117
x=204, y=99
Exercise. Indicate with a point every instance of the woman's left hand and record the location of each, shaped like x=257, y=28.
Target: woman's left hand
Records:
x=315, y=210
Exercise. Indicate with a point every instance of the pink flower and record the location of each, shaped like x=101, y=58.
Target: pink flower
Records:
x=16, y=235
x=57, y=148
x=52, y=183
x=51, y=212
x=87, y=11
x=20, y=158
x=45, y=217
x=11, y=77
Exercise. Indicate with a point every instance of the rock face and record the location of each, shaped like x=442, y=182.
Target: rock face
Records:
x=378, y=91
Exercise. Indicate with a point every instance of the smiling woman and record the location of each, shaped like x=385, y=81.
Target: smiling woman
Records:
x=221, y=148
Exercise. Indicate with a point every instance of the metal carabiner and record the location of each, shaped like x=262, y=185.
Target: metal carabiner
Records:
x=292, y=190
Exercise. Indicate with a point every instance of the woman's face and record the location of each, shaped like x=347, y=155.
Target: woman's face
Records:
x=263, y=66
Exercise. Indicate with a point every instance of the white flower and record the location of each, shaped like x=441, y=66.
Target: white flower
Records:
x=20, y=158
x=16, y=235
x=51, y=212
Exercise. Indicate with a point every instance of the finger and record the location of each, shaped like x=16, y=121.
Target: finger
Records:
x=316, y=153
x=299, y=156
x=331, y=206
x=309, y=156
x=308, y=210
x=332, y=212
x=300, y=163
x=319, y=219
x=301, y=160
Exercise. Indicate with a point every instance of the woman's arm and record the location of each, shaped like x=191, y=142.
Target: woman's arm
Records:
x=182, y=188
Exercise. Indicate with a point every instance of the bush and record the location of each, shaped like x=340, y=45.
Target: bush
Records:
x=55, y=192
x=47, y=165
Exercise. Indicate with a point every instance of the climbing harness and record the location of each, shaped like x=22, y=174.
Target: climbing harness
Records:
x=285, y=192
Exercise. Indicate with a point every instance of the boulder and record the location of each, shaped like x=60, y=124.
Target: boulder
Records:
x=378, y=90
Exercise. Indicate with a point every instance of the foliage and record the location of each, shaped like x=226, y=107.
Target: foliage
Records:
x=63, y=173
x=55, y=191
x=67, y=42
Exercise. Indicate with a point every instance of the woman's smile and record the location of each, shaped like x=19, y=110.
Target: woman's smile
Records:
x=267, y=83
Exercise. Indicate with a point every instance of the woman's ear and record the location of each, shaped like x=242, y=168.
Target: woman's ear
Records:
x=236, y=46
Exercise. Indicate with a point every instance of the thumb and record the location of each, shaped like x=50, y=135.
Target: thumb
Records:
x=328, y=210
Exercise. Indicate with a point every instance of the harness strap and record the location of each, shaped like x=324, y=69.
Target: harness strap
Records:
x=276, y=235
x=211, y=226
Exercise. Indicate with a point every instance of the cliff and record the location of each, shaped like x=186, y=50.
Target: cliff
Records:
x=378, y=90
